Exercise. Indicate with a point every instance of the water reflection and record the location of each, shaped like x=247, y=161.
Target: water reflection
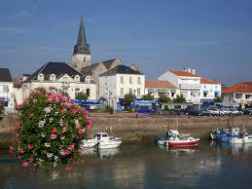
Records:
x=100, y=153
x=136, y=166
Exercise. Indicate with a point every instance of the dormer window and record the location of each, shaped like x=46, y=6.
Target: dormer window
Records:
x=52, y=77
x=41, y=77
x=77, y=78
x=88, y=79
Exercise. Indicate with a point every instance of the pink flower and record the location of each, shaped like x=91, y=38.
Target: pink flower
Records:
x=71, y=147
x=89, y=123
x=30, y=159
x=81, y=131
x=11, y=149
x=25, y=164
x=21, y=151
x=53, y=130
x=53, y=136
x=30, y=146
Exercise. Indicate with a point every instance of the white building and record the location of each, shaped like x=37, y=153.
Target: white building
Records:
x=118, y=81
x=239, y=94
x=6, y=90
x=58, y=77
x=210, y=89
x=186, y=81
x=158, y=88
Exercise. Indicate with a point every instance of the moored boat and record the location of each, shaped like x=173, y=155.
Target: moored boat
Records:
x=183, y=142
x=88, y=143
x=105, y=141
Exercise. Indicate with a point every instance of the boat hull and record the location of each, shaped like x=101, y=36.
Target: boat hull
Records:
x=109, y=144
x=183, y=144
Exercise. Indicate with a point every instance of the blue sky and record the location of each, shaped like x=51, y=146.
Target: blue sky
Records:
x=213, y=36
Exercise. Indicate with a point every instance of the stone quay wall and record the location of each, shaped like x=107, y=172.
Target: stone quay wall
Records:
x=135, y=129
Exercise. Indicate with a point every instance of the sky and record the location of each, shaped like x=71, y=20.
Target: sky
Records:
x=212, y=36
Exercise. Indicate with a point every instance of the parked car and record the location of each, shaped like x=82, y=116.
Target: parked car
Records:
x=214, y=111
x=236, y=111
x=248, y=111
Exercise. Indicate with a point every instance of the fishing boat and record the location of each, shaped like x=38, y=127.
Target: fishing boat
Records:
x=242, y=139
x=225, y=135
x=164, y=139
x=105, y=141
x=177, y=140
x=102, y=140
x=183, y=142
x=88, y=143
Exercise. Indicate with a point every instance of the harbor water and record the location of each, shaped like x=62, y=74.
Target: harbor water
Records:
x=139, y=166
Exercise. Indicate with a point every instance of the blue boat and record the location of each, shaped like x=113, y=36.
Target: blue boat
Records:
x=224, y=135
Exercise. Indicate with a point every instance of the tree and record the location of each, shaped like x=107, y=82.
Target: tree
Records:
x=148, y=97
x=179, y=99
x=128, y=99
x=164, y=99
x=81, y=96
x=218, y=99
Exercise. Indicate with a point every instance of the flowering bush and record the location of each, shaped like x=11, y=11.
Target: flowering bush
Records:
x=51, y=128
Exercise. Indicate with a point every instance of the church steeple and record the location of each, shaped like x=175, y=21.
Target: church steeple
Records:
x=81, y=47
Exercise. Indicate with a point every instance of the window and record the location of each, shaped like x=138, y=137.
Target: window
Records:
x=139, y=80
x=130, y=91
x=52, y=77
x=88, y=92
x=205, y=93
x=216, y=94
x=247, y=96
x=138, y=91
x=238, y=95
x=41, y=77
x=130, y=80
x=173, y=93
x=5, y=89
x=121, y=92
x=121, y=79
x=77, y=78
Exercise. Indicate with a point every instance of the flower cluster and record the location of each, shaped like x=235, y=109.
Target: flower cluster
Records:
x=51, y=128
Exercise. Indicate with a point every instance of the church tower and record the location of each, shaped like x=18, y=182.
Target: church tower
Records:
x=81, y=53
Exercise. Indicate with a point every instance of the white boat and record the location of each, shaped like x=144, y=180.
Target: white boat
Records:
x=105, y=141
x=88, y=143
x=248, y=139
x=240, y=140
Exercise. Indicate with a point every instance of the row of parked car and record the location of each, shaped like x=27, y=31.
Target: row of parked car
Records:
x=216, y=111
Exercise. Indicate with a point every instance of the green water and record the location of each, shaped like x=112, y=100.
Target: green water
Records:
x=139, y=166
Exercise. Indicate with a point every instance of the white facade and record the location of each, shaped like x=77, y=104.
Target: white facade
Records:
x=237, y=99
x=116, y=86
x=7, y=95
x=189, y=86
x=157, y=88
x=64, y=84
x=210, y=91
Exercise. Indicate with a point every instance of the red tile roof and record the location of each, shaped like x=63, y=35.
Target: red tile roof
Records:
x=204, y=80
x=157, y=84
x=183, y=73
x=244, y=87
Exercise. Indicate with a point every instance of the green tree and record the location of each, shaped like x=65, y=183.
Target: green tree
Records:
x=218, y=99
x=128, y=99
x=164, y=99
x=179, y=99
x=81, y=96
x=148, y=97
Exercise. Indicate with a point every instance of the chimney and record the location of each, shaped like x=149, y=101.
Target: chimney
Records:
x=193, y=71
x=134, y=67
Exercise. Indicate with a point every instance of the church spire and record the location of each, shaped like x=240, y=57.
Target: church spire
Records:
x=81, y=47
